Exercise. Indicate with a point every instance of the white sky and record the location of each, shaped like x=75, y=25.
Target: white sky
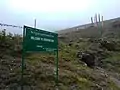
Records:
x=56, y=14
x=50, y=5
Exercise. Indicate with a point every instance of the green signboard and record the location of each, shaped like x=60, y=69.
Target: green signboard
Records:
x=39, y=40
x=36, y=40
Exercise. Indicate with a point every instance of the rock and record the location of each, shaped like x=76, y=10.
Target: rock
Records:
x=70, y=44
x=86, y=57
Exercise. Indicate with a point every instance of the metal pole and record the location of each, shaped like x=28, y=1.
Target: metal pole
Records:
x=57, y=72
x=57, y=68
x=35, y=23
x=22, y=63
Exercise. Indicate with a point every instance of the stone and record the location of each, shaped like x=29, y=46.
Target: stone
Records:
x=86, y=57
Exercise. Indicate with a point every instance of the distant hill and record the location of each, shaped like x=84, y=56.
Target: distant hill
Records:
x=111, y=27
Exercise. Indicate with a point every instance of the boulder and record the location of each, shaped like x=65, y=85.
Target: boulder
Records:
x=88, y=58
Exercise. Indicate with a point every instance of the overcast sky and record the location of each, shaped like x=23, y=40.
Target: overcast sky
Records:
x=56, y=14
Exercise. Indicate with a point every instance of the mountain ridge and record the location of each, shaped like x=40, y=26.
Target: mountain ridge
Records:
x=84, y=26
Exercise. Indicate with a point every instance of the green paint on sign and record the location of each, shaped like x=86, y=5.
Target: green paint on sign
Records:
x=39, y=40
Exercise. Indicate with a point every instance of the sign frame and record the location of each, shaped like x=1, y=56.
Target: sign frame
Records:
x=24, y=51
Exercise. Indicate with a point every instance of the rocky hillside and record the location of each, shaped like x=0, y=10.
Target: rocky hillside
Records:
x=75, y=69
x=110, y=29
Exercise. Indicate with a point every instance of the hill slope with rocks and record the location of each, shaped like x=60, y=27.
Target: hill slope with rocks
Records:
x=84, y=64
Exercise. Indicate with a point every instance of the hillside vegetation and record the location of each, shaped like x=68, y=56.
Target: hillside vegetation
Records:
x=74, y=74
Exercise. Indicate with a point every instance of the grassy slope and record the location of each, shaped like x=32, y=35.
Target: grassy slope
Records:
x=40, y=71
x=40, y=68
x=72, y=74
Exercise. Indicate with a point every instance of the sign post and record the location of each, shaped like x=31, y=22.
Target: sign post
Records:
x=36, y=40
x=23, y=55
x=57, y=67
